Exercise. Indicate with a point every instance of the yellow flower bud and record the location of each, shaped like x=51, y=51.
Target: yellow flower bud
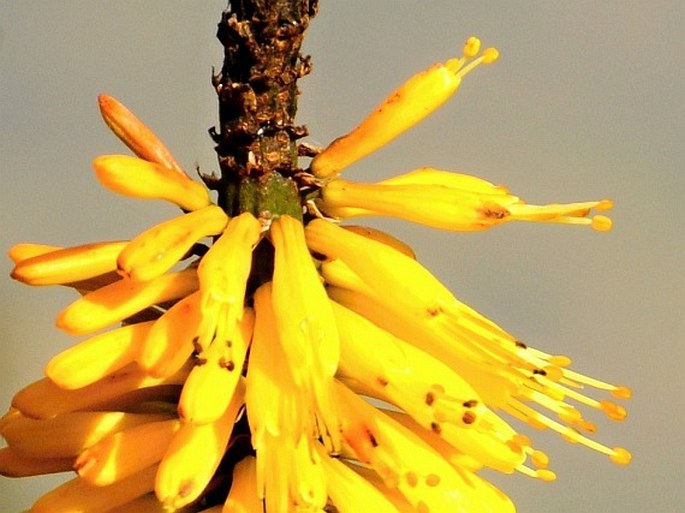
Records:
x=139, y=178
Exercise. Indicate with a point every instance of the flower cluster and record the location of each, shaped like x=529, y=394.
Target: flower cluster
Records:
x=350, y=379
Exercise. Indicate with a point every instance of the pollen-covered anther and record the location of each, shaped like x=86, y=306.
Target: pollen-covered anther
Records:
x=613, y=411
x=539, y=459
x=620, y=456
x=622, y=392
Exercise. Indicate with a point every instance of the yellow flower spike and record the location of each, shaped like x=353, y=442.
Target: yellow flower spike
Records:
x=223, y=274
x=304, y=319
x=44, y=399
x=78, y=496
x=413, y=101
x=243, y=496
x=158, y=249
x=449, y=201
x=26, y=250
x=121, y=299
x=194, y=455
x=381, y=236
x=407, y=463
x=349, y=491
x=212, y=382
x=13, y=464
x=70, y=433
x=124, y=453
x=169, y=342
x=433, y=394
x=95, y=358
x=69, y=264
x=135, y=134
x=139, y=178
x=281, y=418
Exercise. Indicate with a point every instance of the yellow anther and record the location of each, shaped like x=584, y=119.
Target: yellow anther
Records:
x=539, y=459
x=622, y=392
x=560, y=360
x=621, y=456
x=472, y=47
x=490, y=55
x=570, y=415
x=601, y=223
x=605, y=204
x=613, y=411
x=545, y=475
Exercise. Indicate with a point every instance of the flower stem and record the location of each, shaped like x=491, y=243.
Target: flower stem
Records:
x=257, y=90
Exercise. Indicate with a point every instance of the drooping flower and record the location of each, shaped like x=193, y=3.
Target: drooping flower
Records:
x=344, y=377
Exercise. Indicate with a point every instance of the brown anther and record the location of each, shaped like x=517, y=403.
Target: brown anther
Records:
x=434, y=311
x=430, y=398
x=520, y=344
x=382, y=381
x=471, y=403
x=468, y=418
x=372, y=439
x=435, y=428
x=493, y=211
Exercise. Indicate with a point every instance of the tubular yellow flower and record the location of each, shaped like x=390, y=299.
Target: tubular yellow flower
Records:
x=126, y=452
x=14, y=464
x=124, y=298
x=169, y=342
x=25, y=250
x=78, y=495
x=223, y=274
x=158, y=249
x=449, y=201
x=211, y=384
x=281, y=420
x=243, y=497
x=69, y=433
x=138, y=178
x=68, y=265
x=43, y=399
x=305, y=321
x=193, y=455
x=93, y=359
x=134, y=133
x=413, y=101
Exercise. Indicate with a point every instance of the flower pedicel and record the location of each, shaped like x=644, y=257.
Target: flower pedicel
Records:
x=216, y=389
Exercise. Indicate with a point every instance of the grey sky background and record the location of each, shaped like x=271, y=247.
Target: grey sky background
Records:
x=586, y=102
